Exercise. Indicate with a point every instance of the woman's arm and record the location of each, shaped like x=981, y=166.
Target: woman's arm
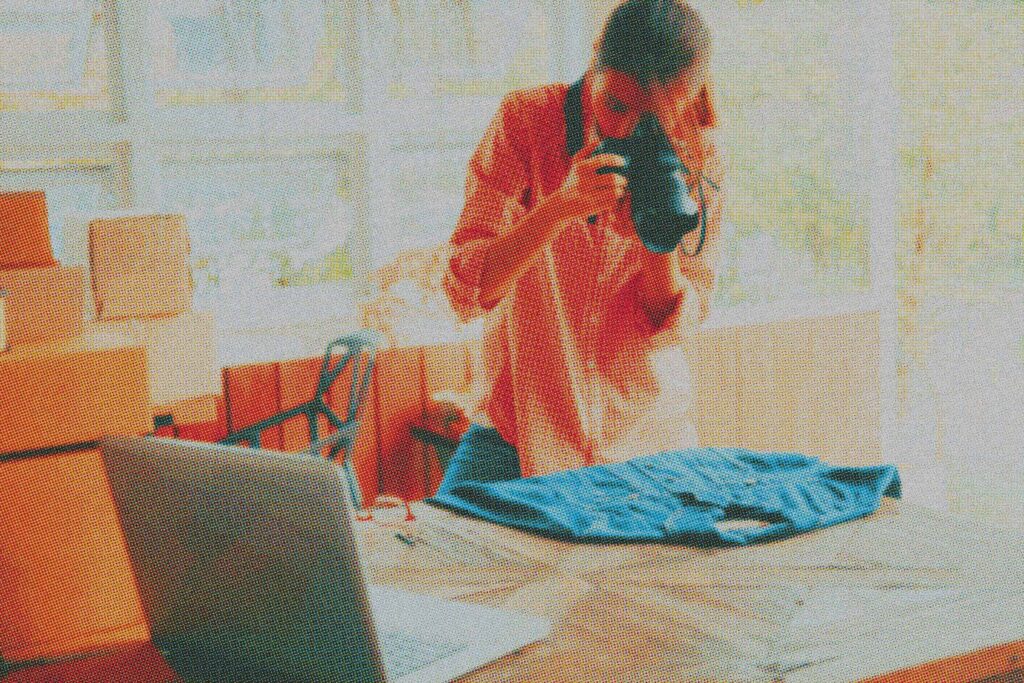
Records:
x=661, y=286
x=498, y=239
x=512, y=254
x=585, y=192
x=496, y=186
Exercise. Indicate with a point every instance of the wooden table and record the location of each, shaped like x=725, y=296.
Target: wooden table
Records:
x=898, y=589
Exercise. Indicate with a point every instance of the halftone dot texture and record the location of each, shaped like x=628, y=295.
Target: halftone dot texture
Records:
x=694, y=496
x=65, y=577
x=140, y=266
x=43, y=304
x=960, y=253
x=71, y=391
x=672, y=615
x=568, y=351
x=24, y=231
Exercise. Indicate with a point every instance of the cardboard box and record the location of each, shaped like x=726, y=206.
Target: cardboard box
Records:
x=66, y=579
x=189, y=411
x=140, y=266
x=24, y=231
x=72, y=391
x=180, y=353
x=43, y=304
x=75, y=249
x=75, y=252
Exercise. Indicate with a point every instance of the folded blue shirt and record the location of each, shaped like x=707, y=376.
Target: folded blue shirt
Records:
x=681, y=497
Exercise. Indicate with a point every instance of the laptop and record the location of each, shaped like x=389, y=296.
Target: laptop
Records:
x=248, y=570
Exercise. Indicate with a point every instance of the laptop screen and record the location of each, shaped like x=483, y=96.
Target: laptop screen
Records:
x=245, y=561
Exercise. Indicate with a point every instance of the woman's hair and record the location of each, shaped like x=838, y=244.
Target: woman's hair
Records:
x=653, y=40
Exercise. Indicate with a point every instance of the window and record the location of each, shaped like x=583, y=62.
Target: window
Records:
x=264, y=232
x=238, y=113
x=210, y=52
x=75, y=189
x=795, y=135
x=373, y=127
x=53, y=55
x=448, y=64
x=428, y=183
x=960, y=73
x=481, y=48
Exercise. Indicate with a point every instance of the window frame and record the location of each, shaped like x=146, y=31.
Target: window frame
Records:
x=145, y=134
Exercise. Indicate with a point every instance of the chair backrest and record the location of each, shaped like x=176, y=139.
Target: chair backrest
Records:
x=356, y=351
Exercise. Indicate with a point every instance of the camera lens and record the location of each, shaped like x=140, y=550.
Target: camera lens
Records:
x=682, y=204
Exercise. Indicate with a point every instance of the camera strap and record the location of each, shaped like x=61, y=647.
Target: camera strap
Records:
x=574, y=118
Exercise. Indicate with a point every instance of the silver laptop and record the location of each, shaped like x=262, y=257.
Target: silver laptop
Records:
x=248, y=570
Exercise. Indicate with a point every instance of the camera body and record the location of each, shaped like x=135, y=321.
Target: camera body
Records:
x=662, y=209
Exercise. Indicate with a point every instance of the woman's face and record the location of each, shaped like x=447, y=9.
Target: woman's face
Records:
x=618, y=101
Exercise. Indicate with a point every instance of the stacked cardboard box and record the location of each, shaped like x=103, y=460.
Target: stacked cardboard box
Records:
x=24, y=231
x=71, y=391
x=76, y=250
x=130, y=278
x=180, y=357
x=140, y=267
x=142, y=290
x=59, y=387
x=44, y=299
x=65, y=579
x=43, y=304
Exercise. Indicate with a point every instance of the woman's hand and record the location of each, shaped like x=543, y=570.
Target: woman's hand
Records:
x=586, y=192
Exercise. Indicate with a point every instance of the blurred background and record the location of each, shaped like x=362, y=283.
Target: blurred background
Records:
x=318, y=148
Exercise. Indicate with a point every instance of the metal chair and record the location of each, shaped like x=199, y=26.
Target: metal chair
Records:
x=356, y=350
x=444, y=446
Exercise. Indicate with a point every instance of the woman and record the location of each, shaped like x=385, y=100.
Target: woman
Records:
x=578, y=310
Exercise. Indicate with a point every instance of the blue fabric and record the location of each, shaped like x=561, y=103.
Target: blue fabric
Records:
x=481, y=456
x=674, y=497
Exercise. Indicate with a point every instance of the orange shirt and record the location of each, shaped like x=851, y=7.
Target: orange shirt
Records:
x=569, y=351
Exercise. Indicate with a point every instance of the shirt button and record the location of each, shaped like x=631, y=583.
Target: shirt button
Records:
x=592, y=364
x=750, y=481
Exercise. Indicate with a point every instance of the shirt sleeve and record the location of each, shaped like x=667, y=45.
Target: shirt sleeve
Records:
x=694, y=302
x=496, y=195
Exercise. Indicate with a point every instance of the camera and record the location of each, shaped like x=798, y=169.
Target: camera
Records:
x=662, y=209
